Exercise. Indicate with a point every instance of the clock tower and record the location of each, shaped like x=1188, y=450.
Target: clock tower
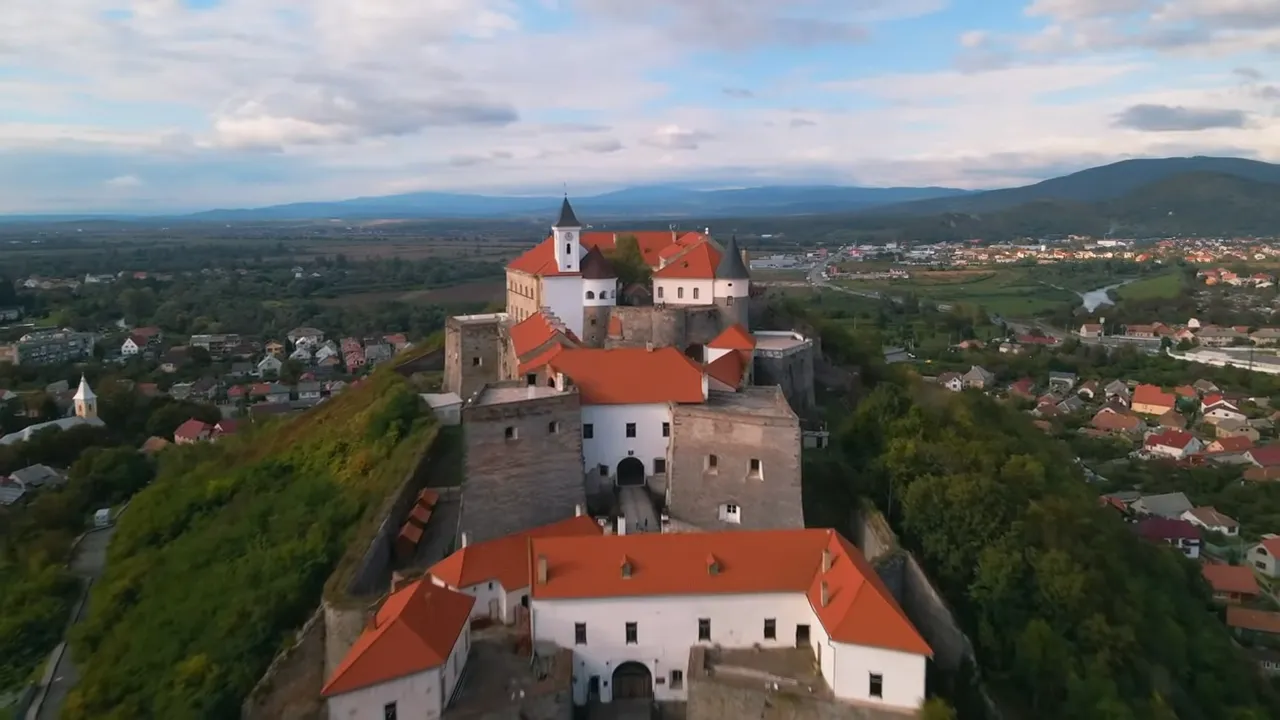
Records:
x=567, y=233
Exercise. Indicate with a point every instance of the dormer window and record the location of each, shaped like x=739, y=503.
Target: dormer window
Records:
x=592, y=296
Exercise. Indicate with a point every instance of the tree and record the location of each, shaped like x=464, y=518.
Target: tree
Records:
x=628, y=262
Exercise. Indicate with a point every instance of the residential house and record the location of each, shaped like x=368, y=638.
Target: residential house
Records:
x=354, y=360
x=306, y=337
x=1215, y=409
x=952, y=381
x=1186, y=392
x=1265, y=337
x=1205, y=387
x=52, y=347
x=310, y=392
x=1166, y=505
x=1233, y=444
x=11, y=493
x=325, y=351
x=1091, y=330
x=269, y=365
x=1210, y=519
x=217, y=345
x=1232, y=584
x=302, y=354
x=1140, y=331
x=375, y=353
x=180, y=391
x=191, y=432
x=1151, y=400
x=1176, y=444
x=350, y=344
x=277, y=393
x=1108, y=420
x=174, y=358
x=237, y=393
x=204, y=389
x=275, y=348
x=1265, y=456
x=1219, y=336
x=1250, y=624
x=1265, y=556
x=1172, y=420
x=1236, y=428
x=37, y=477
x=1117, y=389
x=397, y=341
x=1024, y=388
x=1179, y=534
x=1062, y=380
x=1088, y=389
x=1071, y=405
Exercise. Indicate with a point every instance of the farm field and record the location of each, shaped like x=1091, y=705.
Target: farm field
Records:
x=474, y=292
x=415, y=250
x=1012, y=292
x=1165, y=285
x=776, y=274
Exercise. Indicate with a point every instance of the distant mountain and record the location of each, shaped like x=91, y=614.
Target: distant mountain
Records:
x=1107, y=182
x=654, y=201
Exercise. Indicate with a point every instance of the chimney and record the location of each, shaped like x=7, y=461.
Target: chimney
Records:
x=466, y=539
x=577, y=510
x=626, y=567
x=399, y=581
x=826, y=593
x=622, y=525
x=826, y=560
x=713, y=565
x=648, y=347
x=542, y=570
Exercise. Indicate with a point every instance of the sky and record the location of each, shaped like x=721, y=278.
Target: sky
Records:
x=174, y=105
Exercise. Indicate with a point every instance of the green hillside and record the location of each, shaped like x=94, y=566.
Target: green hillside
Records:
x=228, y=551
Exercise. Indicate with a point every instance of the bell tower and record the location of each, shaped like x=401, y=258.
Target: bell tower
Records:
x=567, y=234
x=86, y=401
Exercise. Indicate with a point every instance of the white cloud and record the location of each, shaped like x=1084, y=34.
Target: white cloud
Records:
x=124, y=181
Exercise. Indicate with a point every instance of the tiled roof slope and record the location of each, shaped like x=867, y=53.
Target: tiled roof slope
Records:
x=505, y=559
x=857, y=608
x=630, y=376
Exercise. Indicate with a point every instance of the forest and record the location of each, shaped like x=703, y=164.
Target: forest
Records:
x=1071, y=614
x=225, y=554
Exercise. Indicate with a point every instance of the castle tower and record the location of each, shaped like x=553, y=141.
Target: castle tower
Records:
x=568, y=234
x=600, y=295
x=86, y=401
x=733, y=286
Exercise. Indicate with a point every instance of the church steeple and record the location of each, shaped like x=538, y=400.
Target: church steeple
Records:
x=86, y=401
x=567, y=218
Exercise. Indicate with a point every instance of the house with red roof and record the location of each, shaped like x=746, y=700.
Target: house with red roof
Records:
x=1152, y=400
x=1264, y=557
x=1179, y=534
x=191, y=432
x=1266, y=456
x=1231, y=583
x=1176, y=444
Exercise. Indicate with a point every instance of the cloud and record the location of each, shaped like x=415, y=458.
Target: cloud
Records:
x=674, y=137
x=1163, y=118
x=801, y=122
x=124, y=181
x=1248, y=73
x=606, y=145
x=735, y=92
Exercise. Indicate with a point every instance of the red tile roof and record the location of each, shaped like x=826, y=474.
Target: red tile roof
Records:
x=191, y=430
x=1167, y=529
x=536, y=330
x=1231, y=579
x=729, y=368
x=1265, y=456
x=1106, y=420
x=848, y=597
x=414, y=630
x=734, y=337
x=699, y=263
x=1153, y=395
x=1255, y=620
x=541, y=258
x=1235, y=443
x=1178, y=439
x=505, y=559
x=629, y=376
x=1272, y=545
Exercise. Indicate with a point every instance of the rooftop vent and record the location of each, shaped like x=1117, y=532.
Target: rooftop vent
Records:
x=542, y=569
x=627, y=568
x=827, y=559
x=826, y=593
x=713, y=565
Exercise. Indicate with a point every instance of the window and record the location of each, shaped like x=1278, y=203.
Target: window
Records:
x=712, y=461
x=730, y=513
x=1260, y=565
x=695, y=293
x=604, y=470
x=568, y=249
x=729, y=301
x=631, y=430
x=588, y=431
x=704, y=629
x=666, y=429
x=579, y=633
x=770, y=629
x=531, y=379
x=660, y=292
x=677, y=679
x=553, y=427
x=475, y=362
x=876, y=689
x=511, y=433
x=680, y=292
x=389, y=711
x=659, y=465
x=591, y=295
x=490, y=584
x=757, y=470
x=631, y=633
x=802, y=636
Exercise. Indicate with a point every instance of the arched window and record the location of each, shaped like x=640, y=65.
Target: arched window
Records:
x=592, y=296
x=680, y=293
x=660, y=292
x=695, y=293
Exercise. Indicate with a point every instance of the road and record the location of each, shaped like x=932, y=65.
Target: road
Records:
x=89, y=562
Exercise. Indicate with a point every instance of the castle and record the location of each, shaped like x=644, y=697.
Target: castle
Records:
x=654, y=403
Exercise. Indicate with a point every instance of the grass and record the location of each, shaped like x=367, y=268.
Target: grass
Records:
x=1012, y=292
x=1164, y=285
x=474, y=292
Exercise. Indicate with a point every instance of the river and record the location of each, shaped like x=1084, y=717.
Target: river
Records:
x=1095, y=299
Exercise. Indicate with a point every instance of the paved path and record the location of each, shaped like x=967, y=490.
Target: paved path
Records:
x=89, y=562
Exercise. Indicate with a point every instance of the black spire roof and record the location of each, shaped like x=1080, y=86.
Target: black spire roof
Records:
x=731, y=266
x=595, y=266
x=567, y=218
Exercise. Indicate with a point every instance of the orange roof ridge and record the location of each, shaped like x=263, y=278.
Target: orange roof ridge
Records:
x=734, y=337
x=505, y=559
x=631, y=376
x=698, y=263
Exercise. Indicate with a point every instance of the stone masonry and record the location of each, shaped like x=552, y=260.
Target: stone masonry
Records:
x=666, y=326
x=737, y=429
x=473, y=349
x=523, y=459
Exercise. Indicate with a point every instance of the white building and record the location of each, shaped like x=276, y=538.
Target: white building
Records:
x=631, y=607
x=496, y=572
x=86, y=405
x=408, y=661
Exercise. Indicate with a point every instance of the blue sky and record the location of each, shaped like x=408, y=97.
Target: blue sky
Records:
x=167, y=105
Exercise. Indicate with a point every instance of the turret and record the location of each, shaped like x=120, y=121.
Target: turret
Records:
x=85, y=400
x=733, y=285
x=568, y=235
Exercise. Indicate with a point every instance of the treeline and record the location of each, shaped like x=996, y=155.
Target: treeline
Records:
x=1071, y=614
x=226, y=554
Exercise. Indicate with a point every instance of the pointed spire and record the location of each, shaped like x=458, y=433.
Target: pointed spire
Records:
x=567, y=218
x=84, y=392
x=731, y=266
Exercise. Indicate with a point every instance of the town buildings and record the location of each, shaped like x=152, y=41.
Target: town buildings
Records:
x=50, y=347
x=85, y=402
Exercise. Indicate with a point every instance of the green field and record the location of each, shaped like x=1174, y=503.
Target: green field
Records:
x=1165, y=285
x=1013, y=292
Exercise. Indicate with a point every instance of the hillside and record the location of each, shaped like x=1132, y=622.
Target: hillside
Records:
x=1107, y=182
x=228, y=550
